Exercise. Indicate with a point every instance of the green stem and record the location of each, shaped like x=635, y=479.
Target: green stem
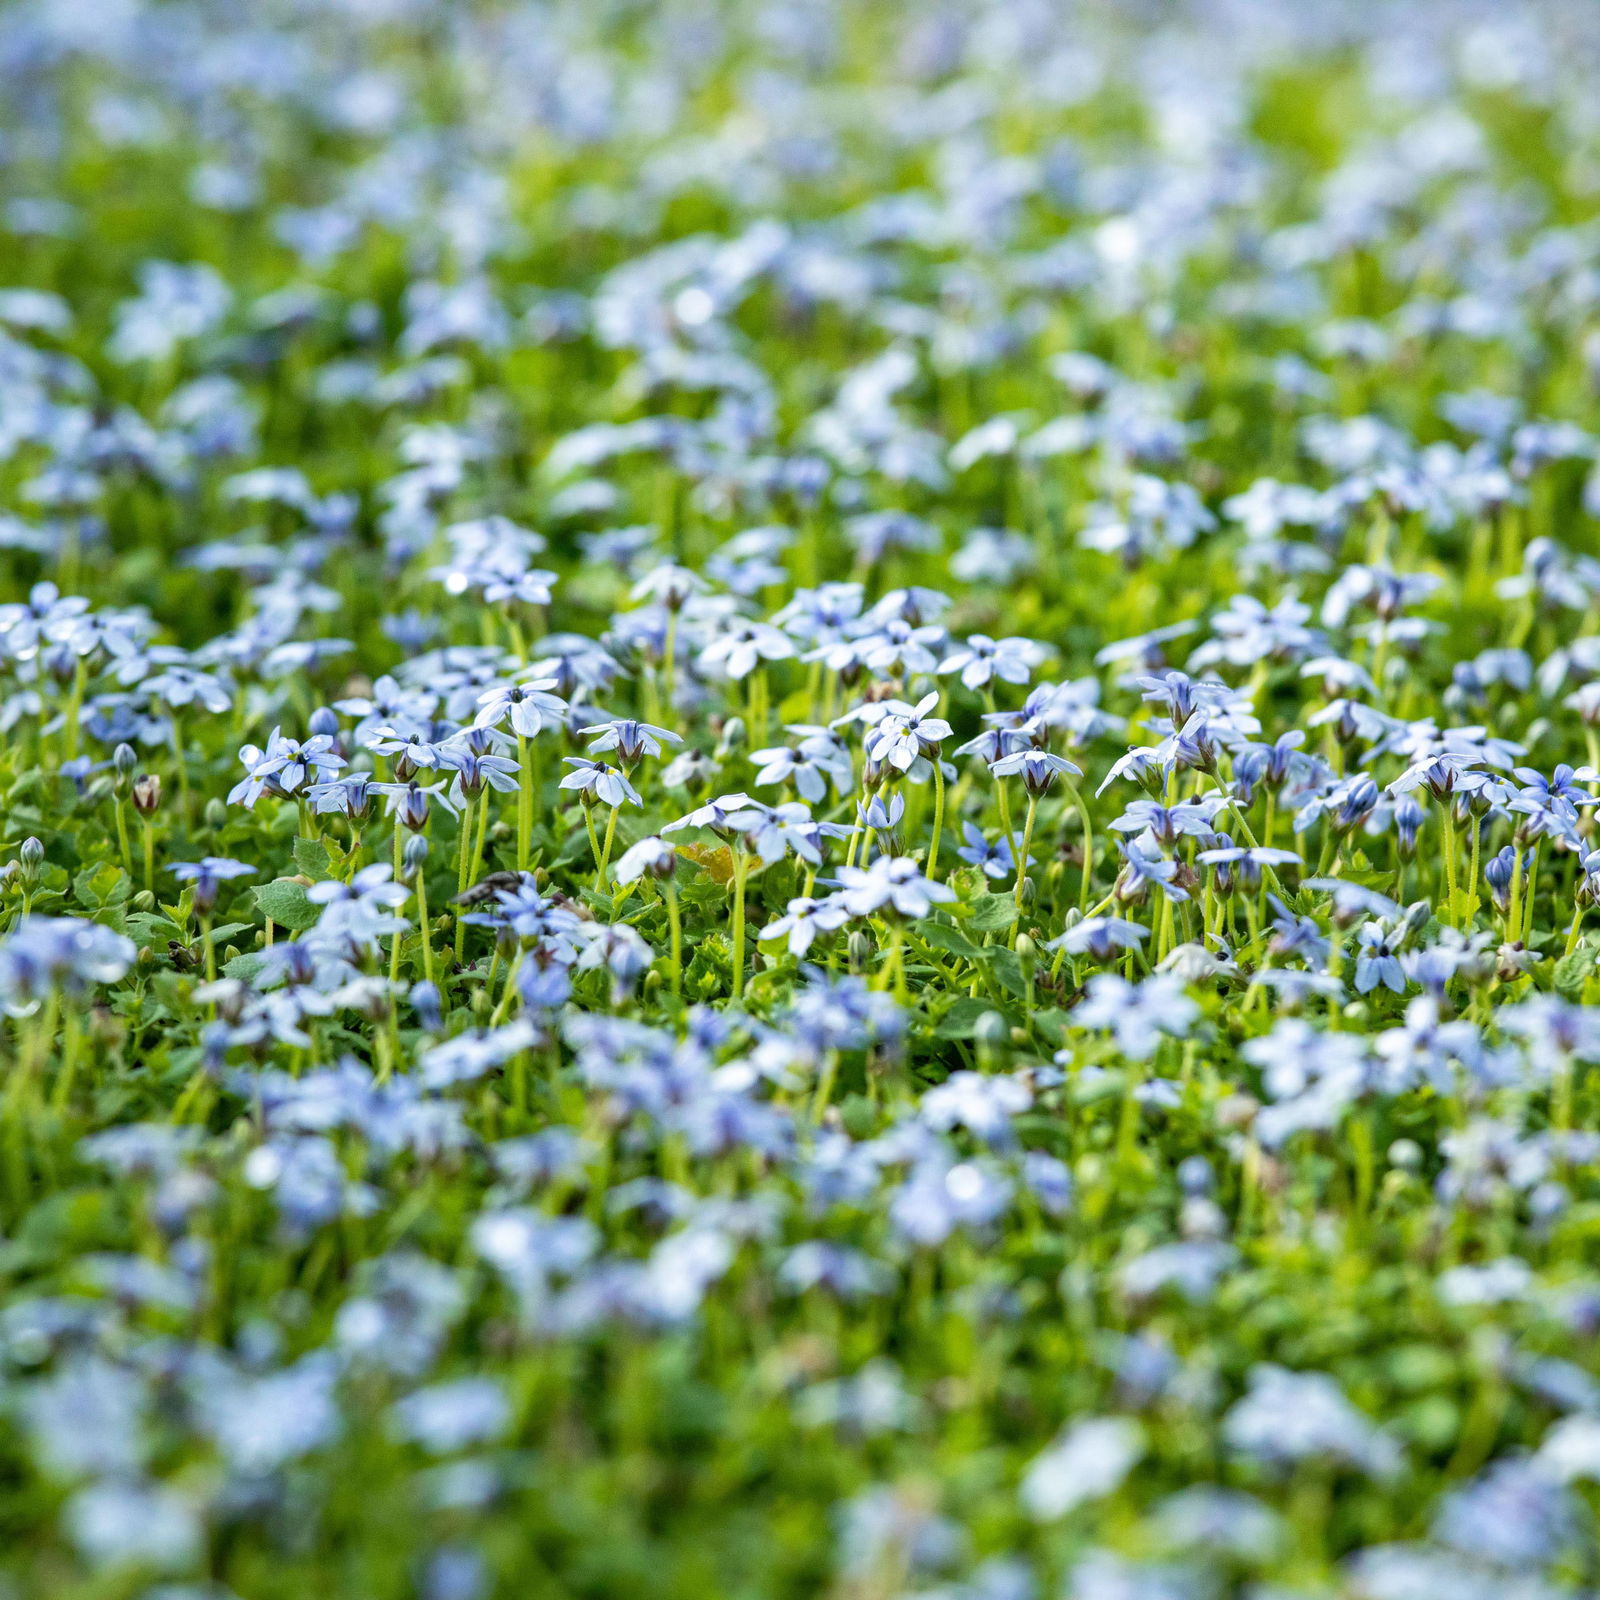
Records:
x=122, y=836
x=932, y=868
x=422, y=917
x=394, y=943
x=463, y=848
x=524, y=804
x=675, y=934
x=741, y=867
x=669, y=651
x=483, y=834
x=1477, y=856
x=1027, y=840
x=1076, y=797
x=1448, y=826
x=1532, y=890
x=605, y=855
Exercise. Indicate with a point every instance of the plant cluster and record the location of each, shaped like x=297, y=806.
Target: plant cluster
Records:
x=799, y=799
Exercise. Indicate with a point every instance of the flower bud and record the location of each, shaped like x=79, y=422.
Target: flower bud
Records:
x=147, y=794
x=991, y=1034
x=1406, y=1154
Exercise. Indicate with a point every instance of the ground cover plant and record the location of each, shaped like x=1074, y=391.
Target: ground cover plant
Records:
x=798, y=799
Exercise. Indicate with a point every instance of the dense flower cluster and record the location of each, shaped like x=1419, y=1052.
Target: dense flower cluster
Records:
x=800, y=798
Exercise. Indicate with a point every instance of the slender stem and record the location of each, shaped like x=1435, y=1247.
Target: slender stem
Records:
x=1448, y=827
x=1477, y=854
x=675, y=934
x=1528, y=896
x=463, y=867
x=1027, y=839
x=741, y=867
x=669, y=651
x=825, y=1080
x=394, y=943
x=122, y=835
x=524, y=804
x=932, y=867
x=1076, y=797
x=483, y=833
x=1004, y=802
x=605, y=854
x=180, y=761
x=422, y=917
x=80, y=675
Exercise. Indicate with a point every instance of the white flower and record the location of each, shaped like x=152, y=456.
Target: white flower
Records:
x=893, y=881
x=1087, y=1462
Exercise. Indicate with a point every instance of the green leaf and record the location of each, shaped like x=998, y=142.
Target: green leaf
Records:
x=151, y=930
x=1006, y=968
x=941, y=936
x=244, y=967
x=312, y=858
x=961, y=1020
x=1573, y=971
x=99, y=887
x=989, y=913
x=285, y=902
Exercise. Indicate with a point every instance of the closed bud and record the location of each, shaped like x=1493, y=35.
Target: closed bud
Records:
x=216, y=813
x=1406, y=1154
x=144, y=901
x=860, y=948
x=992, y=1035
x=32, y=857
x=1027, y=955
x=415, y=855
x=123, y=760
